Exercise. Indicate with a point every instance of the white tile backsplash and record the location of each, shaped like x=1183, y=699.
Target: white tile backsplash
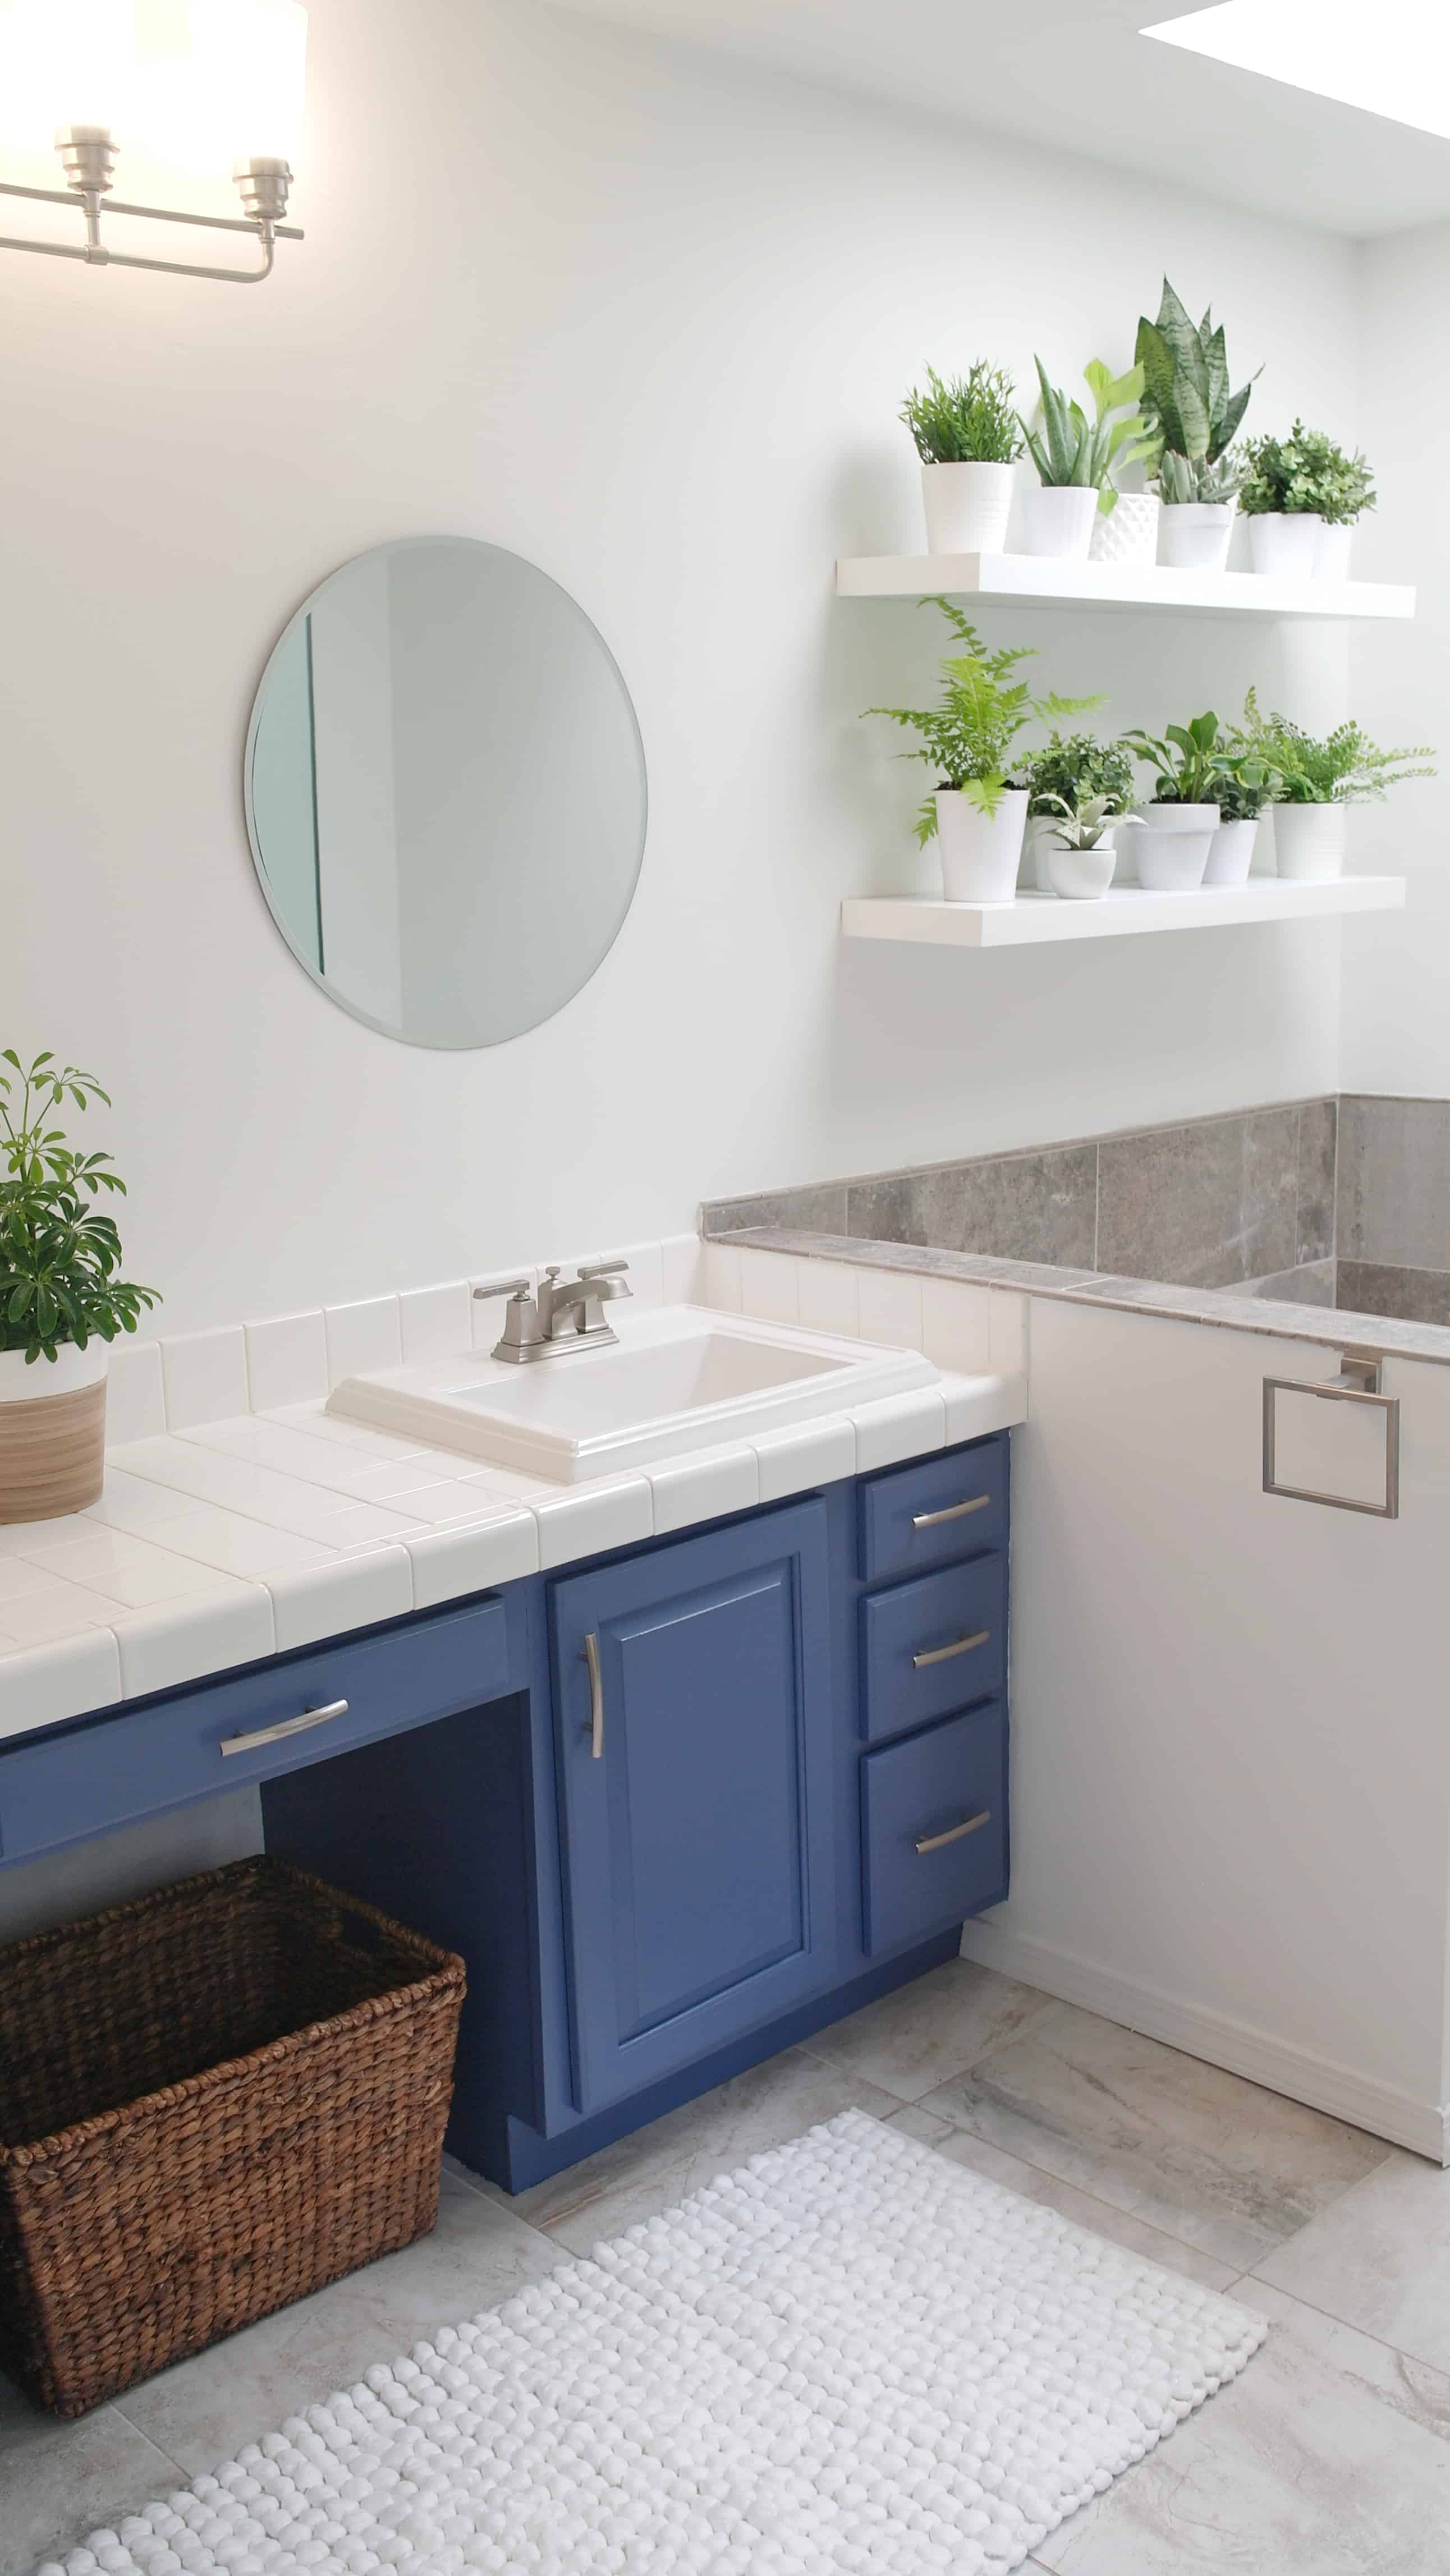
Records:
x=1008, y=1330
x=437, y=1322
x=889, y=1307
x=828, y=1298
x=367, y=1335
x=956, y=1324
x=646, y=1270
x=204, y=1376
x=135, y=1394
x=682, y=1269
x=286, y=1361
x=768, y=1286
x=722, y=1277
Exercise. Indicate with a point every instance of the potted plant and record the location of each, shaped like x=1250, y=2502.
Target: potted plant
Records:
x=1243, y=787
x=1301, y=496
x=978, y=808
x=1081, y=847
x=1125, y=530
x=1179, y=825
x=968, y=439
x=1196, y=419
x=1074, y=457
x=60, y=1299
x=1065, y=777
x=1316, y=780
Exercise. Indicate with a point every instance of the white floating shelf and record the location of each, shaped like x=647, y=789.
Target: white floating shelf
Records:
x=1044, y=581
x=1037, y=918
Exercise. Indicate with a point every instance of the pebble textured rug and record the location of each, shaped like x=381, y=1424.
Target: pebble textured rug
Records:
x=850, y=2355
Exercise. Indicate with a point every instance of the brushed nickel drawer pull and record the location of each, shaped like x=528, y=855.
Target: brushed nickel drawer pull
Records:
x=953, y=1512
x=590, y=1657
x=938, y=1842
x=944, y=1654
x=289, y=1726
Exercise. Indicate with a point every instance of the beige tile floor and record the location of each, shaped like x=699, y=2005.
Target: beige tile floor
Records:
x=1330, y=2456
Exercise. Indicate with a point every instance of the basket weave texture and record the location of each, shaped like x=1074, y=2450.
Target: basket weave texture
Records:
x=212, y=2101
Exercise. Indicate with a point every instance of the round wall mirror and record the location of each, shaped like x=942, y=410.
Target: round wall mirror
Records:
x=445, y=792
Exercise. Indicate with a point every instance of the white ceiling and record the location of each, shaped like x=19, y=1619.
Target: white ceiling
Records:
x=1076, y=75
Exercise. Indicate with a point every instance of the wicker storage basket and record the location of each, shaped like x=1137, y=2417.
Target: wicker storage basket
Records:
x=212, y=2101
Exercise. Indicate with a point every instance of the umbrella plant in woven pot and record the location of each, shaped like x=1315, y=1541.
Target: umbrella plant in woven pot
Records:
x=61, y=1300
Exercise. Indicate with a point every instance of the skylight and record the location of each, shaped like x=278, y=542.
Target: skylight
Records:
x=1393, y=60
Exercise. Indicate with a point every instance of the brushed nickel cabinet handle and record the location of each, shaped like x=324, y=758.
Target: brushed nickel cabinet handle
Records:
x=953, y=1512
x=590, y=1657
x=231, y=1744
x=938, y=1842
x=944, y=1654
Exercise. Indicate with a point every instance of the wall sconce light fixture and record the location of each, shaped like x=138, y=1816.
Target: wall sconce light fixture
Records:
x=89, y=70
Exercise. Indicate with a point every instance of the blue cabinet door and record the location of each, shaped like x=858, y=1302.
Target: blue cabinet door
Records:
x=692, y=1698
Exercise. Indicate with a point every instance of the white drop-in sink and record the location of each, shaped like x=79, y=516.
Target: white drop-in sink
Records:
x=681, y=1378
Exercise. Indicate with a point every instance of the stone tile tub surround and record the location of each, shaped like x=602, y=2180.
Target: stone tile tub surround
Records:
x=240, y=1520
x=1341, y=1203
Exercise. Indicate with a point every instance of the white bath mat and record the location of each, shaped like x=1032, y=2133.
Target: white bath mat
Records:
x=852, y=2355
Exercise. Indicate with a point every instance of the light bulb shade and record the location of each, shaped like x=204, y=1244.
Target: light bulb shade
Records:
x=250, y=62
x=65, y=63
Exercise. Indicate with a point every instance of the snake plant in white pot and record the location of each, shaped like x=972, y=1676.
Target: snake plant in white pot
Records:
x=978, y=809
x=1075, y=459
x=968, y=440
x=1196, y=419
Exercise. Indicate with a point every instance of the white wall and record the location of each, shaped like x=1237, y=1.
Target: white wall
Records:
x=647, y=318
x=1396, y=1025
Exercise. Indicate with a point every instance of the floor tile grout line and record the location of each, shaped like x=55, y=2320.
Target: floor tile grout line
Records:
x=1397, y=2352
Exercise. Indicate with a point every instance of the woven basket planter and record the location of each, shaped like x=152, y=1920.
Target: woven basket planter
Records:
x=212, y=2101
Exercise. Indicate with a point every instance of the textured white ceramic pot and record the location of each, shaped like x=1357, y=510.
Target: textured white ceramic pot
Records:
x=980, y=853
x=1057, y=519
x=1081, y=876
x=1285, y=543
x=1231, y=854
x=1310, y=840
x=1128, y=533
x=1172, y=848
x=1194, y=536
x=967, y=508
x=1333, y=552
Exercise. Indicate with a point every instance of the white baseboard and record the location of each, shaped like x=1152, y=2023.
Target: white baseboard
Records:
x=1278, y=2064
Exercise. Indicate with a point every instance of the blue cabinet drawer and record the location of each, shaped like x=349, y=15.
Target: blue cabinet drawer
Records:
x=934, y=1829
x=931, y=1646
x=60, y=1787
x=934, y=1511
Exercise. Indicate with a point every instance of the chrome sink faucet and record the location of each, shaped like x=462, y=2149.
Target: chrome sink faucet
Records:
x=564, y=1315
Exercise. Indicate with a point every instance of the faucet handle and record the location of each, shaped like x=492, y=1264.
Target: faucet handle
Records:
x=601, y=1269
x=506, y=1288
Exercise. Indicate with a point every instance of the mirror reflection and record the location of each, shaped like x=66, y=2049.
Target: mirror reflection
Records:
x=445, y=792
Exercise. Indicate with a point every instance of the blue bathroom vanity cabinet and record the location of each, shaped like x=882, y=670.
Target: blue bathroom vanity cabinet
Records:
x=677, y=1806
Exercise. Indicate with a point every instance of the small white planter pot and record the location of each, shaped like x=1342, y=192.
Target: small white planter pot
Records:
x=1172, y=847
x=1284, y=544
x=1127, y=534
x=1057, y=519
x=1033, y=872
x=1310, y=840
x=1194, y=536
x=967, y=508
x=1081, y=876
x=980, y=853
x=1231, y=854
x=1333, y=552
x=52, y=1432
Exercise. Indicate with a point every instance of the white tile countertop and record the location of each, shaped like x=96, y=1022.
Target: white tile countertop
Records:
x=232, y=1534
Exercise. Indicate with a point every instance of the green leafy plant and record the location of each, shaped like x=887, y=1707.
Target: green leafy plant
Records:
x=1070, y=770
x=1084, y=828
x=1306, y=471
x=967, y=420
x=1067, y=447
x=58, y=1254
x=1340, y=768
x=1187, y=760
x=967, y=739
x=1188, y=404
